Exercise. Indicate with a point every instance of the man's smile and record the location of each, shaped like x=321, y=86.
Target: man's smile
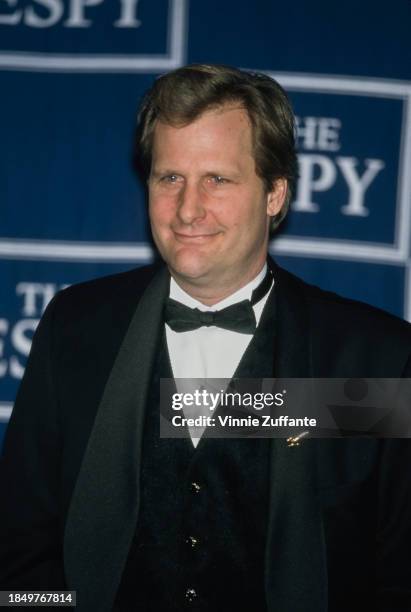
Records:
x=194, y=238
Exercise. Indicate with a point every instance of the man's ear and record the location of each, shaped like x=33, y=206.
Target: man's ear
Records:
x=276, y=197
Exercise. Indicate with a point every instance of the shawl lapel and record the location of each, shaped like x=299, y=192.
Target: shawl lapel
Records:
x=102, y=516
x=295, y=569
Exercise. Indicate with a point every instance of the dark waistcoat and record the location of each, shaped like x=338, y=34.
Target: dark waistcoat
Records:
x=200, y=538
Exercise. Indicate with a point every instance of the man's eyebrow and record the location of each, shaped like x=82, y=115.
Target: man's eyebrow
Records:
x=162, y=172
x=230, y=172
x=227, y=173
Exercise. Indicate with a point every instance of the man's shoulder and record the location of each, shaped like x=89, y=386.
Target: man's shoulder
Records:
x=101, y=301
x=334, y=309
x=346, y=337
x=360, y=316
x=129, y=285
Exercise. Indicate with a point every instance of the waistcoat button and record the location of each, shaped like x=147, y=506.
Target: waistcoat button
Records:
x=193, y=542
x=191, y=595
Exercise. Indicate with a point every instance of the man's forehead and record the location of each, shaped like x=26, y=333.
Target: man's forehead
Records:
x=223, y=114
x=219, y=141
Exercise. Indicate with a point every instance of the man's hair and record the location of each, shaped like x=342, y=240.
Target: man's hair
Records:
x=180, y=97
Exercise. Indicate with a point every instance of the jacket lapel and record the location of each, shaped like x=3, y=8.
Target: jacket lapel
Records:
x=102, y=516
x=295, y=570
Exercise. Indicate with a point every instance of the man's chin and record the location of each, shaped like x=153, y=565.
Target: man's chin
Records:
x=189, y=271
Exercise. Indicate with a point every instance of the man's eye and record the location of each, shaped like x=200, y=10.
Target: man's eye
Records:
x=170, y=178
x=219, y=180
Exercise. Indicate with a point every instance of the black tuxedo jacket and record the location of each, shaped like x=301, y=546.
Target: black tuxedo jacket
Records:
x=339, y=521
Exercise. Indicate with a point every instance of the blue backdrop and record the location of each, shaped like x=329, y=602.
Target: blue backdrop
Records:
x=71, y=75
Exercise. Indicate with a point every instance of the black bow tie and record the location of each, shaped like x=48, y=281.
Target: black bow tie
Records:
x=239, y=317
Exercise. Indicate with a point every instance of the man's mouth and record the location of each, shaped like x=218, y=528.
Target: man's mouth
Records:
x=194, y=238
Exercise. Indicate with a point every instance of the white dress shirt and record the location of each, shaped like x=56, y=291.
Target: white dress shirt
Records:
x=210, y=352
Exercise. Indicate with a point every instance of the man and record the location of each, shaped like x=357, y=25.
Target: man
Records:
x=98, y=503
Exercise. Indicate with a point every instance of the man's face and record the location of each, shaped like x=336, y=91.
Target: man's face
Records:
x=208, y=208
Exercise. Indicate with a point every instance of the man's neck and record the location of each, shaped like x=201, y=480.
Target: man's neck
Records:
x=209, y=296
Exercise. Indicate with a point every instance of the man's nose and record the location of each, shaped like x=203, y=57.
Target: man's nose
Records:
x=191, y=203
